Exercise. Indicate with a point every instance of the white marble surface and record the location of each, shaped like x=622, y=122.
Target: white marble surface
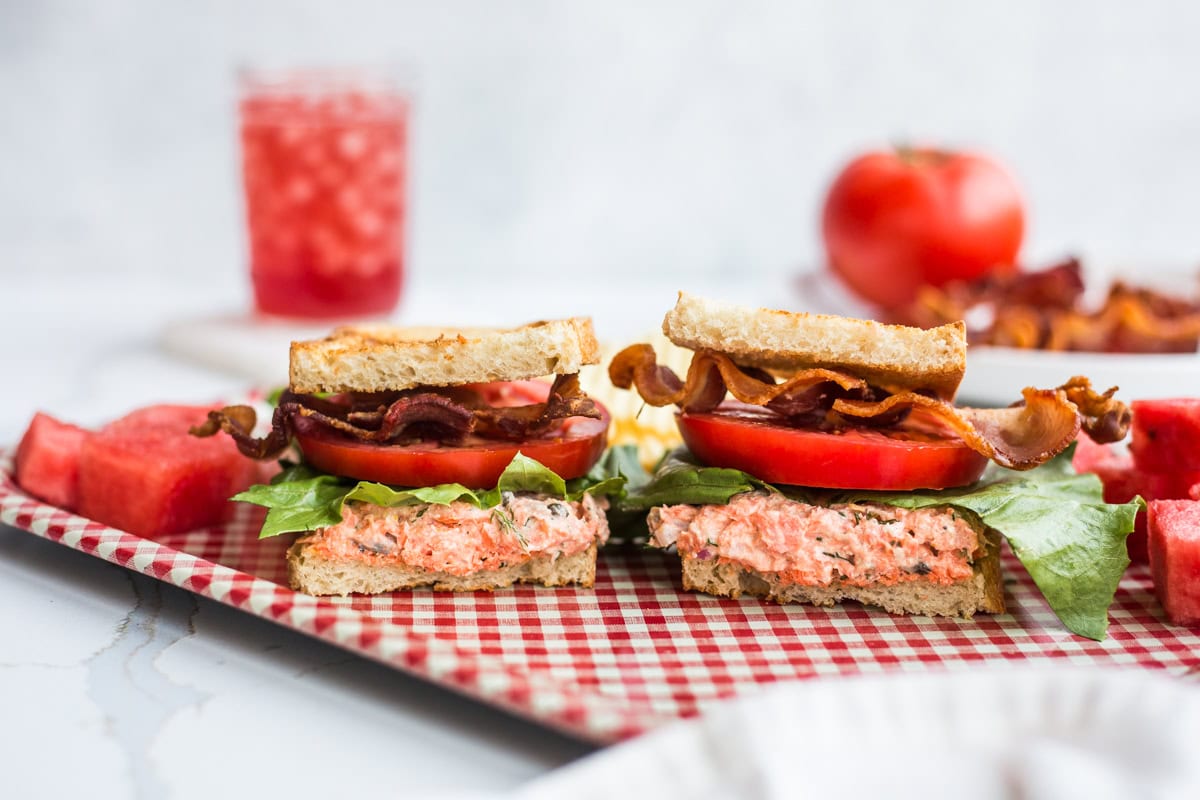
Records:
x=114, y=685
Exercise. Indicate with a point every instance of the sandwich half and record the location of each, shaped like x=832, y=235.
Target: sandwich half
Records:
x=825, y=461
x=930, y=561
x=431, y=457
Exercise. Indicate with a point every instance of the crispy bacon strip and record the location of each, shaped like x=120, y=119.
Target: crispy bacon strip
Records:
x=446, y=415
x=1017, y=326
x=1127, y=315
x=239, y=422
x=1021, y=436
x=520, y=422
x=710, y=375
x=1045, y=310
x=439, y=417
x=1105, y=419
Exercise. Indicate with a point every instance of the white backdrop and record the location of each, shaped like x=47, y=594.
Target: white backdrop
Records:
x=613, y=137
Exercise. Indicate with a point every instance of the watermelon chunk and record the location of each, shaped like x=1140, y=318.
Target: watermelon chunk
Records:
x=1114, y=468
x=1174, y=527
x=1172, y=485
x=1122, y=482
x=146, y=475
x=48, y=461
x=1166, y=434
x=1089, y=455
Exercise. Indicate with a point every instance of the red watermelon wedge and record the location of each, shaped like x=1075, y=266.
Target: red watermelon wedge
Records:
x=1166, y=434
x=47, y=463
x=144, y=474
x=1124, y=480
x=1174, y=527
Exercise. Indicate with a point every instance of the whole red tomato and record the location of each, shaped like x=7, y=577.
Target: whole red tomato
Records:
x=896, y=220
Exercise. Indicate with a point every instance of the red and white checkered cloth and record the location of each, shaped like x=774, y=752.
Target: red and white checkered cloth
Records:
x=632, y=653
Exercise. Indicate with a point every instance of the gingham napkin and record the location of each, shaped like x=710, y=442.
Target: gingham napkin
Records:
x=996, y=733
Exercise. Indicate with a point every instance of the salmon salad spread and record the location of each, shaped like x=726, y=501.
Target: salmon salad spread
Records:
x=459, y=538
x=856, y=544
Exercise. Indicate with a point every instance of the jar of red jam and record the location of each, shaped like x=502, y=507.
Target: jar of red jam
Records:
x=323, y=164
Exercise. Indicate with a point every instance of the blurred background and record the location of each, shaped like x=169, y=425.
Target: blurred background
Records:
x=676, y=139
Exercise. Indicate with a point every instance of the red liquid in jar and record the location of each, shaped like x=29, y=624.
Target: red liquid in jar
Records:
x=324, y=178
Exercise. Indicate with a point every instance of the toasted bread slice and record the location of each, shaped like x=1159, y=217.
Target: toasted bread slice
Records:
x=890, y=356
x=983, y=591
x=386, y=358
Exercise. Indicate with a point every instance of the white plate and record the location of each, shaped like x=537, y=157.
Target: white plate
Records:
x=996, y=375
x=1032, y=732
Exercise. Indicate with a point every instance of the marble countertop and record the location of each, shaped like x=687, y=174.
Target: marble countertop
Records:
x=115, y=685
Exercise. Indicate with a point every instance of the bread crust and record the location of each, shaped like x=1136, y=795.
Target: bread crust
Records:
x=377, y=358
x=314, y=574
x=889, y=356
x=982, y=592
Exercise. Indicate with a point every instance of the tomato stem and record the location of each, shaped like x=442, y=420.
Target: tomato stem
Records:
x=919, y=156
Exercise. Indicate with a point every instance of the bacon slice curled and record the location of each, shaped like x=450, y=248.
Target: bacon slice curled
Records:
x=520, y=422
x=711, y=374
x=239, y=421
x=1022, y=436
x=1105, y=418
x=1046, y=310
x=446, y=415
x=446, y=420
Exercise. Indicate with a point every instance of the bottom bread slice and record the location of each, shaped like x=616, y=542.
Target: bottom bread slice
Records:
x=983, y=591
x=315, y=574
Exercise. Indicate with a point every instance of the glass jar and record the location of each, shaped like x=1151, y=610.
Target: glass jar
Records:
x=323, y=167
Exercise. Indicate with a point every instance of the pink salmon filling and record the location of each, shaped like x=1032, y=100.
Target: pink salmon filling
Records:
x=459, y=538
x=857, y=544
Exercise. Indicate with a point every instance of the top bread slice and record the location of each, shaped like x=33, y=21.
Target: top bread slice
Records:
x=376, y=358
x=785, y=342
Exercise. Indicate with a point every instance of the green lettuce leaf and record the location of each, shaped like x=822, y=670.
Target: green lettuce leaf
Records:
x=679, y=478
x=617, y=471
x=443, y=494
x=526, y=475
x=1071, y=542
x=300, y=498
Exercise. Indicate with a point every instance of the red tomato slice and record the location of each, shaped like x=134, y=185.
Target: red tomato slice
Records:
x=570, y=450
x=751, y=439
x=502, y=394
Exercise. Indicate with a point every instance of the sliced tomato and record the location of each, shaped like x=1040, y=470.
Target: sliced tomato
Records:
x=511, y=393
x=570, y=449
x=752, y=439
